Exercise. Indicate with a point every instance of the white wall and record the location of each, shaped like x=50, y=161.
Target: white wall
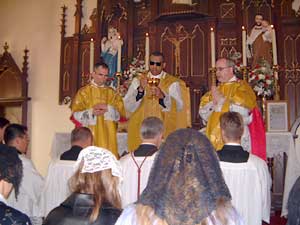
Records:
x=36, y=25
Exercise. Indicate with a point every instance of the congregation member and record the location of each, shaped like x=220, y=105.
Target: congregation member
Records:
x=235, y=95
x=158, y=94
x=95, y=197
x=294, y=204
x=81, y=137
x=99, y=108
x=32, y=184
x=3, y=124
x=232, y=129
x=11, y=172
x=185, y=186
x=136, y=165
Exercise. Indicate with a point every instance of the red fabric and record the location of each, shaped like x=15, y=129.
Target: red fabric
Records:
x=123, y=119
x=258, y=135
x=76, y=122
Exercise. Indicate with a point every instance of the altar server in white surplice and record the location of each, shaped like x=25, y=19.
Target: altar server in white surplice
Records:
x=246, y=175
x=136, y=165
x=16, y=135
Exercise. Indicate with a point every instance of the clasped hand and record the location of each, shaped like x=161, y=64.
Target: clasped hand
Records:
x=99, y=109
x=216, y=95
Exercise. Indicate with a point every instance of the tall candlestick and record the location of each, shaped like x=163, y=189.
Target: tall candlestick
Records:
x=147, y=52
x=244, y=46
x=119, y=55
x=213, y=47
x=92, y=55
x=274, y=46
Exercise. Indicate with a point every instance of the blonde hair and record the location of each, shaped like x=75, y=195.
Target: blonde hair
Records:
x=146, y=215
x=102, y=185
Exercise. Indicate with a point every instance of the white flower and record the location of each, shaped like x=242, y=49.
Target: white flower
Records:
x=261, y=76
x=268, y=82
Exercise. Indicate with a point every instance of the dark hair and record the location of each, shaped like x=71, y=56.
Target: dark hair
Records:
x=80, y=134
x=11, y=168
x=3, y=122
x=102, y=64
x=157, y=53
x=232, y=125
x=13, y=131
x=151, y=127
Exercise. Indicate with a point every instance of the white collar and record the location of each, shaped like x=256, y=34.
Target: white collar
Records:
x=160, y=76
x=147, y=143
x=2, y=199
x=94, y=84
x=232, y=143
x=233, y=79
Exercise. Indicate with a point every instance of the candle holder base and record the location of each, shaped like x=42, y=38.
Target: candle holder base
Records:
x=213, y=72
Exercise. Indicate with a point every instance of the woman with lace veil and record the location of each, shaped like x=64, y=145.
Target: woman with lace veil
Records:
x=185, y=186
x=95, y=197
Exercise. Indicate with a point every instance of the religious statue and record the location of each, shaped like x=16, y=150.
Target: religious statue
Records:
x=109, y=51
x=260, y=41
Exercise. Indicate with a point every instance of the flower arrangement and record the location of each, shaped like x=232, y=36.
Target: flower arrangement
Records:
x=261, y=79
x=135, y=68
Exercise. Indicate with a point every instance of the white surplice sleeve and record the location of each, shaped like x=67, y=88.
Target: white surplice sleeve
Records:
x=30, y=190
x=130, y=102
x=112, y=114
x=85, y=117
x=265, y=182
x=175, y=93
x=128, y=216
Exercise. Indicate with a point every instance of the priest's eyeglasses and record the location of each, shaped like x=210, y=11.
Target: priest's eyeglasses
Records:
x=155, y=63
x=222, y=68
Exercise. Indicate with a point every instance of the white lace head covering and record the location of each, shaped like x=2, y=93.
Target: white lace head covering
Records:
x=97, y=159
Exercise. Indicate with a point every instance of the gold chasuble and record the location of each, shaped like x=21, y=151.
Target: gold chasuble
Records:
x=239, y=93
x=104, y=131
x=150, y=106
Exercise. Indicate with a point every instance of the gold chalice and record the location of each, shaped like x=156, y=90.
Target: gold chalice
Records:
x=153, y=82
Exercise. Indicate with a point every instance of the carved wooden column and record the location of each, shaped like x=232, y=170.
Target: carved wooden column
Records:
x=76, y=46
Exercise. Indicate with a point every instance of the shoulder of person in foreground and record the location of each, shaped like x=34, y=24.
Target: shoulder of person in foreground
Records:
x=10, y=215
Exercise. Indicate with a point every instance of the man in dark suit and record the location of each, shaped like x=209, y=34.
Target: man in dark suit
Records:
x=11, y=172
x=232, y=128
x=81, y=137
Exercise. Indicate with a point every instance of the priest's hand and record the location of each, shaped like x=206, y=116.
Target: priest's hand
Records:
x=216, y=95
x=143, y=83
x=156, y=91
x=99, y=109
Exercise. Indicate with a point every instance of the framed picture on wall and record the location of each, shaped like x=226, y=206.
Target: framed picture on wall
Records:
x=277, y=116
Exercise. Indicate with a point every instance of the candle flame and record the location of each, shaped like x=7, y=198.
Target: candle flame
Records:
x=272, y=26
x=119, y=37
x=92, y=39
x=147, y=34
x=243, y=28
x=211, y=29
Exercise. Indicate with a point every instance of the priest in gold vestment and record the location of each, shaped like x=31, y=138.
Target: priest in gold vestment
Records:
x=99, y=107
x=156, y=94
x=232, y=95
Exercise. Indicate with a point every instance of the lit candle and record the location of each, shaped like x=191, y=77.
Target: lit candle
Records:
x=274, y=47
x=119, y=55
x=244, y=46
x=147, y=52
x=213, y=47
x=91, y=55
